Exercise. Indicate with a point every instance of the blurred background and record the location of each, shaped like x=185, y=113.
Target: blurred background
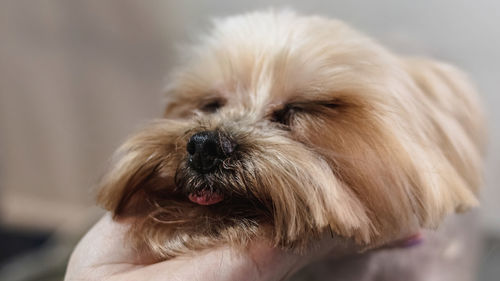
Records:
x=76, y=77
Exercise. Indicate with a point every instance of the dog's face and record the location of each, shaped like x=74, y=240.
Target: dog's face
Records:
x=288, y=126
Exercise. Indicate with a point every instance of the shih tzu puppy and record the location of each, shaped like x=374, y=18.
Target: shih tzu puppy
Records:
x=288, y=127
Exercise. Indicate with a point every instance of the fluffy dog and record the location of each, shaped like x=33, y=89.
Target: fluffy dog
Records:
x=288, y=127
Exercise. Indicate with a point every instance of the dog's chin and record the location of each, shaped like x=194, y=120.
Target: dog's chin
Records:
x=198, y=187
x=210, y=187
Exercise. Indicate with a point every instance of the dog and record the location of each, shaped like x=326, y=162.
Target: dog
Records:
x=287, y=127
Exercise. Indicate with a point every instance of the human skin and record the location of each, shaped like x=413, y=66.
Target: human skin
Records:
x=102, y=254
x=447, y=254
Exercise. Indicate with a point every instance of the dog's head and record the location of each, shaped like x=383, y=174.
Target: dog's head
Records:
x=288, y=126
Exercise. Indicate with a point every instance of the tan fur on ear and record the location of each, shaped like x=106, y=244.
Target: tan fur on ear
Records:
x=457, y=128
x=138, y=167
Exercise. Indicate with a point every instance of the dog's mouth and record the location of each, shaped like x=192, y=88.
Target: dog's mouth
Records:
x=205, y=197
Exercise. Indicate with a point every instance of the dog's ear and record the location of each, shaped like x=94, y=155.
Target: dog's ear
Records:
x=455, y=127
x=120, y=190
x=139, y=167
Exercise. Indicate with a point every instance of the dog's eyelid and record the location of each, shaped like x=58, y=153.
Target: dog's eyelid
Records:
x=212, y=105
x=313, y=103
x=284, y=114
x=330, y=104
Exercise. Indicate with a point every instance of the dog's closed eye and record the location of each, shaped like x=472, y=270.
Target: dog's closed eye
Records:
x=212, y=105
x=285, y=115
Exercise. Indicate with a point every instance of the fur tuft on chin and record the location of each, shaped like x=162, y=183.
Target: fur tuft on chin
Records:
x=331, y=132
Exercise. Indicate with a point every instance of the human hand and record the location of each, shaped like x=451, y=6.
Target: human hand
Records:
x=102, y=254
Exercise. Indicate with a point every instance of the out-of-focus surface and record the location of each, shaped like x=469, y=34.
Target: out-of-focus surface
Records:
x=76, y=77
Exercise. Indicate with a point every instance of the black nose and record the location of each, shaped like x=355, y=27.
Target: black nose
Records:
x=207, y=149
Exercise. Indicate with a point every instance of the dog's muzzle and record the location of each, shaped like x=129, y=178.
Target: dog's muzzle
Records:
x=206, y=151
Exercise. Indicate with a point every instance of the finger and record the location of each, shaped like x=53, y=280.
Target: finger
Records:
x=102, y=254
x=102, y=246
x=260, y=262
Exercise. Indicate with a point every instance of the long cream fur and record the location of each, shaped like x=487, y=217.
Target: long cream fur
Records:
x=377, y=146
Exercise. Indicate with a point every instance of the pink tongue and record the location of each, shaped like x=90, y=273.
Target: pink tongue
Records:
x=205, y=198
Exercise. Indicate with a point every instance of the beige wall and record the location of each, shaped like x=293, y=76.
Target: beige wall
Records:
x=77, y=76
